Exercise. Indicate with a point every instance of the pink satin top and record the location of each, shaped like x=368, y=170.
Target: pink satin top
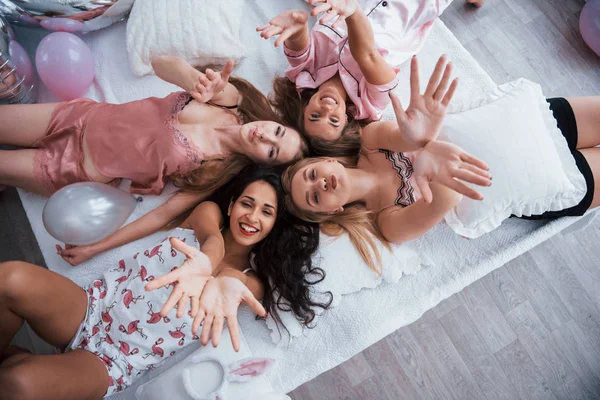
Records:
x=140, y=141
x=400, y=28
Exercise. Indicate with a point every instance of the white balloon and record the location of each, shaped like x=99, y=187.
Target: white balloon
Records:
x=86, y=212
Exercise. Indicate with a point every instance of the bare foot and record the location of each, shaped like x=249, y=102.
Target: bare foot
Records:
x=12, y=355
x=476, y=3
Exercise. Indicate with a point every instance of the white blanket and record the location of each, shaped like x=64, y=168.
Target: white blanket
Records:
x=361, y=318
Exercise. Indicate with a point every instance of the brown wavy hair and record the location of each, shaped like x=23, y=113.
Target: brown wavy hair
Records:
x=290, y=105
x=216, y=172
x=355, y=220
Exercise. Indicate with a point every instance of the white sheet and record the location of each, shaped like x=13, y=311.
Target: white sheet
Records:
x=362, y=318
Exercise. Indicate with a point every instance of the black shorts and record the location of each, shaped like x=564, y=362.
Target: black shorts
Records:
x=565, y=118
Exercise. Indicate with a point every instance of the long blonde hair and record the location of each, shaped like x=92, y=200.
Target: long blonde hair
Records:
x=356, y=220
x=216, y=172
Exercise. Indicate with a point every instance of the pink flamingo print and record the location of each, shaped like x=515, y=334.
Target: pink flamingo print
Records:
x=177, y=334
x=106, y=318
x=105, y=359
x=106, y=339
x=155, y=252
x=156, y=351
x=128, y=297
x=120, y=384
x=122, y=279
x=144, y=275
x=121, y=267
x=154, y=316
x=84, y=342
x=133, y=327
x=135, y=255
x=96, y=328
x=98, y=284
x=129, y=369
x=124, y=347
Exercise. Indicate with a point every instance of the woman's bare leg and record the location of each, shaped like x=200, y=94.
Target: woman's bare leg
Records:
x=17, y=169
x=587, y=116
x=53, y=305
x=24, y=124
x=74, y=375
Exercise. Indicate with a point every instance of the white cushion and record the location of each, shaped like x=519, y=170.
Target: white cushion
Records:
x=200, y=31
x=532, y=168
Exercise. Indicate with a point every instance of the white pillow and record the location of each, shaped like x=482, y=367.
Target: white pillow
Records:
x=200, y=31
x=532, y=168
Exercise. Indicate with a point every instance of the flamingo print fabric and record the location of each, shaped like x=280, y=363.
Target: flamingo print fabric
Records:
x=123, y=327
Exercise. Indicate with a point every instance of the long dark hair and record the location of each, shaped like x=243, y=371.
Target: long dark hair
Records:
x=290, y=106
x=282, y=260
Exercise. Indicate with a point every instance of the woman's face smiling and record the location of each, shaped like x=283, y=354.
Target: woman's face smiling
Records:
x=252, y=216
x=321, y=187
x=325, y=115
x=270, y=143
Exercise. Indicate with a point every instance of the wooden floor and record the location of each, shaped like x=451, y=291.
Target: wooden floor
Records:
x=529, y=330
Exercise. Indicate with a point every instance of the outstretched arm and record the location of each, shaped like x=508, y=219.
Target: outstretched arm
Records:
x=144, y=226
x=249, y=279
x=292, y=28
x=208, y=86
x=400, y=224
x=422, y=120
x=206, y=220
x=360, y=37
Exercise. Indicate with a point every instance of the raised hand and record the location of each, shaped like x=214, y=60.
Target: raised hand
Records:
x=221, y=298
x=75, y=255
x=422, y=120
x=334, y=8
x=444, y=163
x=286, y=25
x=189, y=280
x=211, y=82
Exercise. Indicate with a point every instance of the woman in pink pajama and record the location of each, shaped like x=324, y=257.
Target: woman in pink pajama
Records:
x=341, y=74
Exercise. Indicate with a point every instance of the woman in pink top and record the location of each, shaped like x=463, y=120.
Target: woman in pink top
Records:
x=199, y=138
x=344, y=71
x=149, y=140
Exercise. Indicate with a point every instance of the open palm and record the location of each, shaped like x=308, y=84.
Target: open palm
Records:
x=444, y=163
x=334, y=8
x=287, y=24
x=422, y=120
x=221, y=299
x=211, y=82
x=188, y=280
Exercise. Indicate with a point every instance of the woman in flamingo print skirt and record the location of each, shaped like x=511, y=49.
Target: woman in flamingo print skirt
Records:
x=124, y=324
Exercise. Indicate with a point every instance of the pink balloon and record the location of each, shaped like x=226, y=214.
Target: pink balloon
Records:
x=589, y=25
x=19, y=57
x=65, y=65
x=11, y=33
x=62, y=25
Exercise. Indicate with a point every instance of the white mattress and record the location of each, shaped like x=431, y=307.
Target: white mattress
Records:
x=361, y=318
